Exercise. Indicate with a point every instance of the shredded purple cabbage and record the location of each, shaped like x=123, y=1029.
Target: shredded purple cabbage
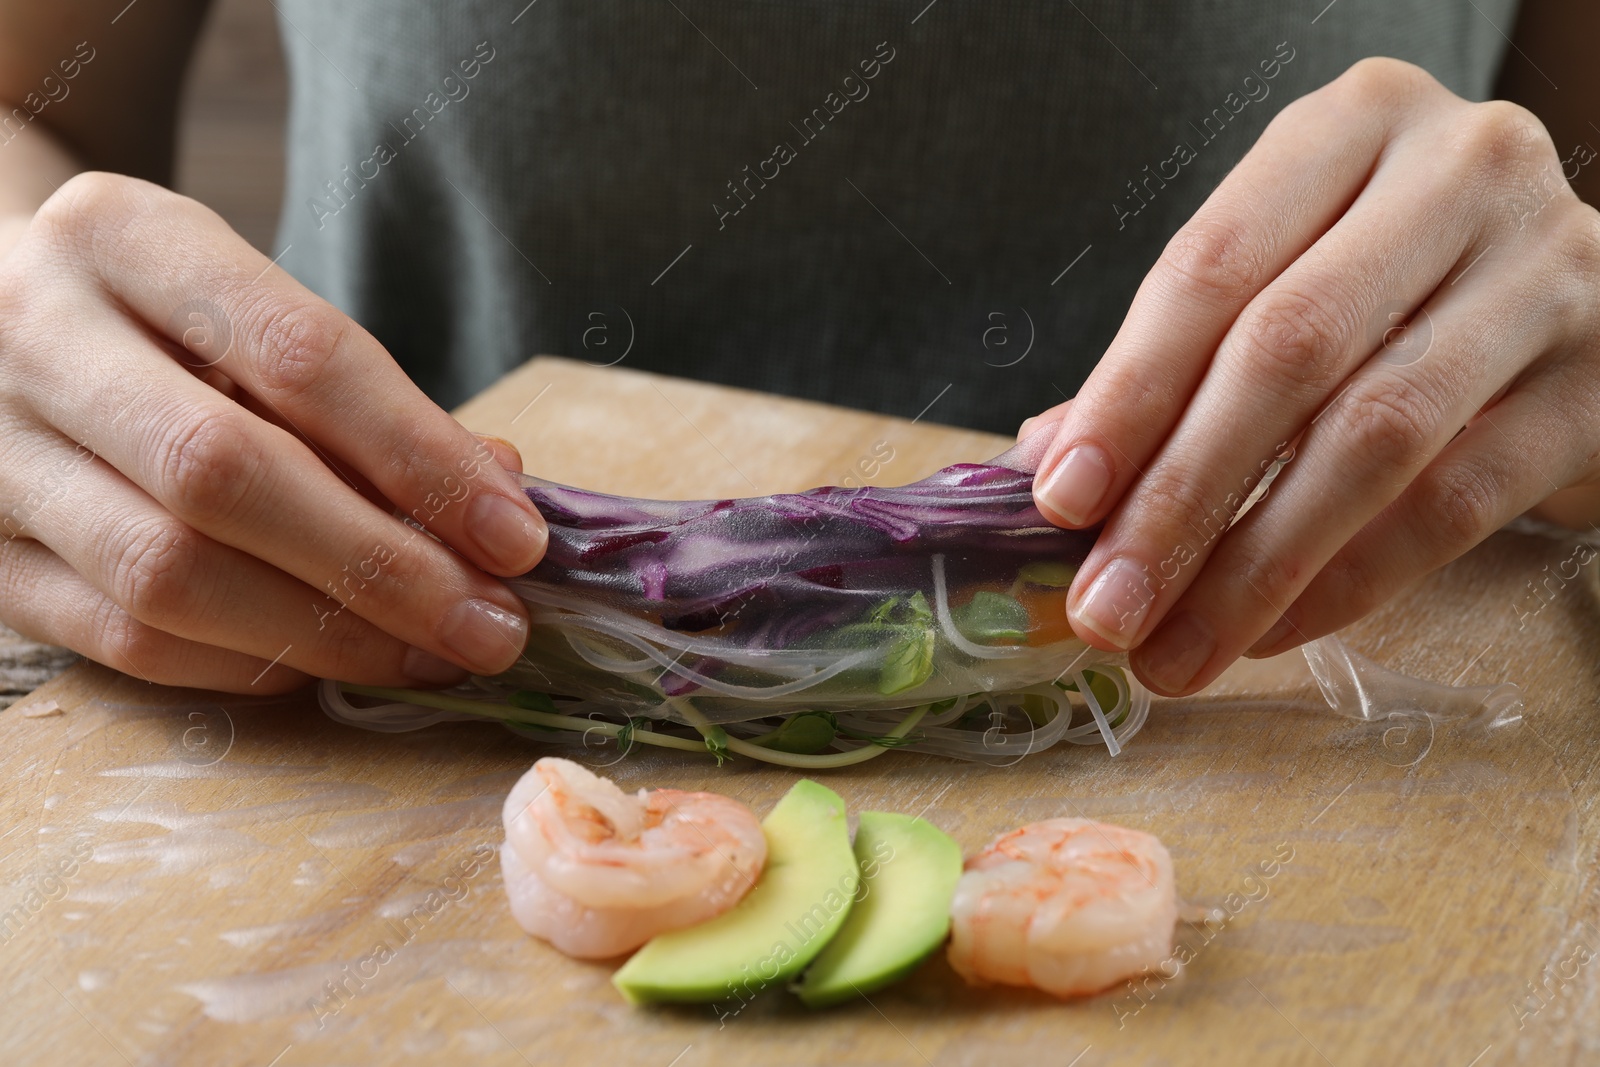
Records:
x=780, y=568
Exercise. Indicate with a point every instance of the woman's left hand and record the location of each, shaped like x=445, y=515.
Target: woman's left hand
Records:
x=1394, y=286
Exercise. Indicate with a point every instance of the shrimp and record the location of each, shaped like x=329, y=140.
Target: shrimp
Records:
x=1068, y=905
x=597, y=872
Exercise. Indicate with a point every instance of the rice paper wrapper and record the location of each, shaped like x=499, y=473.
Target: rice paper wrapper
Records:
x=947, y=594
x=854, y=601
x=861, y=603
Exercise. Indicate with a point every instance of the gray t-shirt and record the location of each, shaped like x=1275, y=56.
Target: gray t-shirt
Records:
x=885, y=204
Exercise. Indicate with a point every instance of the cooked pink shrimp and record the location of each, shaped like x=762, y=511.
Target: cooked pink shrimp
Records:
x=1068, y=905
x=597, y=872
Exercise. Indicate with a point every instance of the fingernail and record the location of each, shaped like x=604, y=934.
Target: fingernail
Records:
x=487, y=637
x=508, y=534
x=425, y=668
x=505, y=453
x=1270, y=639
x=1117, y=602
x=1027, y=424
x=1176, y=651
x=1074, y=489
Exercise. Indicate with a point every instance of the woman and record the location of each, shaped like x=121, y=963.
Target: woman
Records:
x=1226, y=235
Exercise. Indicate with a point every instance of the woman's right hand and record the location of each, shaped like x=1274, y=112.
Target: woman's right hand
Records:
x=200, y=460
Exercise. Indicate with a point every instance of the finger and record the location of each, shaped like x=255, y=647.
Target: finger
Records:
x=43, y=598
x=1292, y=185
x=167, y=575
x=347, y=474
x=250, y=485
x=502, y=451
x=1370, y=442
x=1572, y=507
x=1503, y=463
x=1044, y=418
x=1289, y=349
x=327, y=376
x=505, y=453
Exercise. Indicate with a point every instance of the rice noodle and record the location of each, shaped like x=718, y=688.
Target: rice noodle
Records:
x=947, y=595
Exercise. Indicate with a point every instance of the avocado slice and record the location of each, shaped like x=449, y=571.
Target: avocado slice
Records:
x=909, y=869
x=800, y=901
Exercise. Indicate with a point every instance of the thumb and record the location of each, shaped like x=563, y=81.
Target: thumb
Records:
x=1051, y=415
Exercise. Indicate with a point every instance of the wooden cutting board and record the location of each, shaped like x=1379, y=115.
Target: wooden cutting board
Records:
x=191, y=878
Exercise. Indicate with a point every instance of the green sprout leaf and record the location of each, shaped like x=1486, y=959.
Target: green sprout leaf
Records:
x=909, y=663
x=921, y=613
x=904, y=628
x=1048, y=574
x=884, y=613
x=717, y=744
x=1105, y=693
x=808, y=733
x=1038, y=708
x=528, y=700
x=993, y=618
x=626, y=731
x=901, y=611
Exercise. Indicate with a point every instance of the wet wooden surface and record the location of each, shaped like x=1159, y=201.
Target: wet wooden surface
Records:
x=197, y=879
x=26, y=665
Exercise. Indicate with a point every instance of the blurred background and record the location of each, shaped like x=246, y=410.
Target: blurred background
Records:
x=230, y=137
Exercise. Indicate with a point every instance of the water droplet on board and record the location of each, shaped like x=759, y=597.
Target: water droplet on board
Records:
x=313, y=872
x=315, y=925
x=89, y=981
x=183, y=850
x=373, y=828
x=224, y=770
x=1366, y=907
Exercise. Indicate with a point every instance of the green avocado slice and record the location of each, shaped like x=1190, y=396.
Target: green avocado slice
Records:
x=909, y=869
x=800, y=901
